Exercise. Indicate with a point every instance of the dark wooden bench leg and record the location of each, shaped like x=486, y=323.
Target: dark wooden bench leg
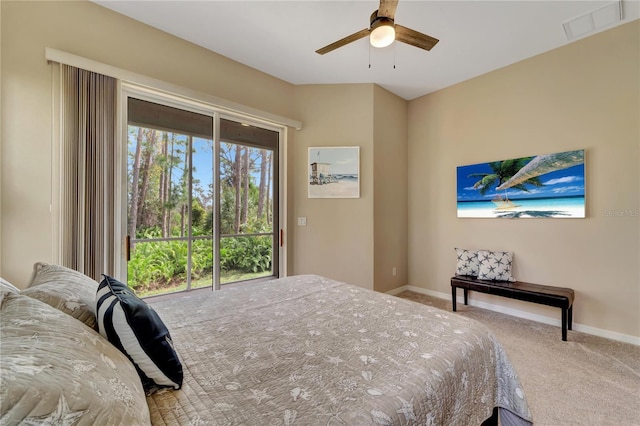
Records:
x=453, y=298
x=570, y=317
x=466, y=296
x=565, y=317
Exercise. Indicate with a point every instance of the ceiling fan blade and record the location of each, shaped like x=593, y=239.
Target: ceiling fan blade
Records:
x=414, y=38
x=387, y=8
x=348, y=39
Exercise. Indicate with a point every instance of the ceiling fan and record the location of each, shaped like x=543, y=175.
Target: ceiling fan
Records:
x=383, y=31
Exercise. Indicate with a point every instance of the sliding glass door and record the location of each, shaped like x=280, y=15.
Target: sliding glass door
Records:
x=202, y=210
x=248, y=202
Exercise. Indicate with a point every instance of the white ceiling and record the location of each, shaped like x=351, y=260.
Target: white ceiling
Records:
x=280, y=37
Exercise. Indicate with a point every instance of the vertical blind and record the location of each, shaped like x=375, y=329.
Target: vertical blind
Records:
x=88, y=156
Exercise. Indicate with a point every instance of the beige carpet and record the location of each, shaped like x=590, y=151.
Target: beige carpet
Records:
x=587, y=380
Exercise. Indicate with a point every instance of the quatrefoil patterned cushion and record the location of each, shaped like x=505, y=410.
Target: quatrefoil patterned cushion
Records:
x=495, y=265
x=467, y=262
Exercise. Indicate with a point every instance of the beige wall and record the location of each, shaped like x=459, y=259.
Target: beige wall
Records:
x=585, y=95
x=88, y=30
x=390, y=190
x=338, y=239
x=354, y=240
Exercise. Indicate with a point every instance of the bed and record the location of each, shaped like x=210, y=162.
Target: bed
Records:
x=302, y=350
x=310, y=350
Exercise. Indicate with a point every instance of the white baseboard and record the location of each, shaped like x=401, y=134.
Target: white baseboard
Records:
x=399, y=290
x=526, y=315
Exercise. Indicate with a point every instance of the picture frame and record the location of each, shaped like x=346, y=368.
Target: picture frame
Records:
x=540, y=186
x=333, y=172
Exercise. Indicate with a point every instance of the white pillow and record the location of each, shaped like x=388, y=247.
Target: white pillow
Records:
x=65, y=289
x=495, y=265
x=467, y=262
x=7, y=286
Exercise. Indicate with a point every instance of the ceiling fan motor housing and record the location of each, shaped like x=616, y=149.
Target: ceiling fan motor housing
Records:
x=376, y=20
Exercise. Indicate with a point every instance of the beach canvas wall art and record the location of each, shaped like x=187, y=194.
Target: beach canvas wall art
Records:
x=334, y=172
x=542, y=186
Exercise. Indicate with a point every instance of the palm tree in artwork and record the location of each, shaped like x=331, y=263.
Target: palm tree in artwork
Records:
x=502, y=171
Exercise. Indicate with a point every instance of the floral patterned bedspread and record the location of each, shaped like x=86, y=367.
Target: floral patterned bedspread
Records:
x=307, y=350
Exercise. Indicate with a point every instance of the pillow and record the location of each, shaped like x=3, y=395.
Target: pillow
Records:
x=65, y=289
x=467, y=262
x=495, y=265
x=55, y=370
x=137, y=330
x=7, y=286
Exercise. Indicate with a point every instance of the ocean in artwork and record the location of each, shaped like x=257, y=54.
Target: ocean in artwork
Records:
x=543, y=186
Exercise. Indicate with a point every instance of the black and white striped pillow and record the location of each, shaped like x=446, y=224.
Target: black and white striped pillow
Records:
x=136, y=329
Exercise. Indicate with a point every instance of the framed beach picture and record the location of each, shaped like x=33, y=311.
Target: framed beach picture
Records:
x=541, y=186
x=334, y=172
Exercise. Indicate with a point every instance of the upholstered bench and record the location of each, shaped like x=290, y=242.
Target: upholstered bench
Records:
x=546, y=295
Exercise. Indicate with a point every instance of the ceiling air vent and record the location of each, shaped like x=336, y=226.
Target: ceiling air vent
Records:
x=591, y=22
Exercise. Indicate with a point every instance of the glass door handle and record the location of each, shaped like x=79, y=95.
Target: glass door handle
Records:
x=127, y=247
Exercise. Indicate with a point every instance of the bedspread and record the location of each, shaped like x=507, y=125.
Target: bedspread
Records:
x=310, y=350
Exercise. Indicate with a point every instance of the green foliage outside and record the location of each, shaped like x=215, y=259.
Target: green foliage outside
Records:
x=162, y=263
x=161, y=186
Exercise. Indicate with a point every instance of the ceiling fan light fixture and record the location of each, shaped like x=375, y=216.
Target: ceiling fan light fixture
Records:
x=383, y=33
